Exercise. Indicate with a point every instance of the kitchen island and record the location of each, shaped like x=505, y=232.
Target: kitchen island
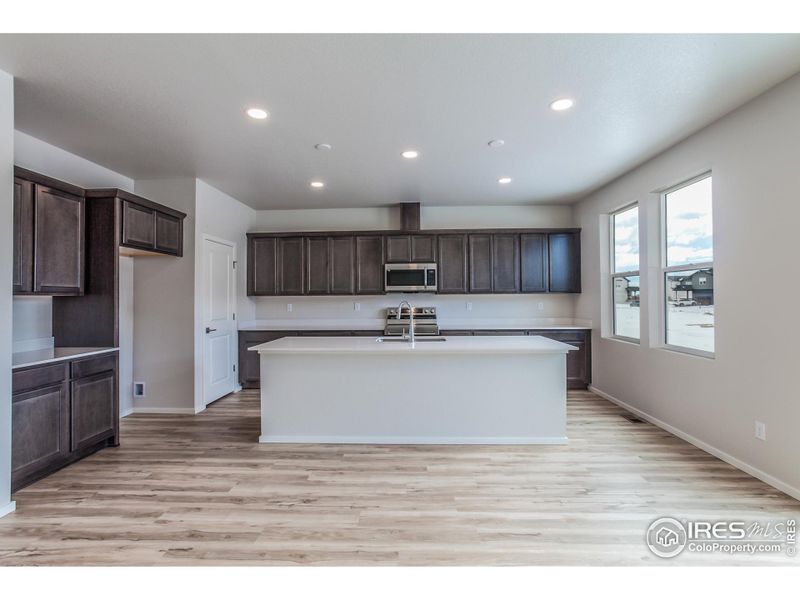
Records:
x=459, y=390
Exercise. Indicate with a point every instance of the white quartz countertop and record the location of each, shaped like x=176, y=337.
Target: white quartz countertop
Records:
x=379, y=324
x=50, y=355
x=452, y=345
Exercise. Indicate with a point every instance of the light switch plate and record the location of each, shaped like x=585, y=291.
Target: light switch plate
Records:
x=289, y=307
x=469, y=306
x=761, y=431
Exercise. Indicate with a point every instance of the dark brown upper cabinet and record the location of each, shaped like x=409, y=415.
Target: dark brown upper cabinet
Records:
x=480, y=263
x=262, y=270
x=318, y=273
x=291, y=266
x=59, y=241
x=369, y=264
x=146, y=227
x=23, y=236
x=452, y=265
x=469, y=261
x=169, y=234
x=534, y=263
x=138, y=226
x=398, y=248
x=342, y=261
x=410, y=248
x=49, y=225
x=505, y=263
x=565, y=262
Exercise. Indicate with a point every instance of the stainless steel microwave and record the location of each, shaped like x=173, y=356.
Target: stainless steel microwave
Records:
x=410, y=277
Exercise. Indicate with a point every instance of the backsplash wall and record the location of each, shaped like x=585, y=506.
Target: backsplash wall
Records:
x=535, y=306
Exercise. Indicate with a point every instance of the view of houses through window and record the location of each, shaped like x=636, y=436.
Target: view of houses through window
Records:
x=625, y=272
x=688, y=266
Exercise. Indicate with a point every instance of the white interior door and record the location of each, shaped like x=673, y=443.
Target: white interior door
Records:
x=219, y=322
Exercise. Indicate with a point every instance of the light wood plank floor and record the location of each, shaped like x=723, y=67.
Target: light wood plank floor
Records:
x=185, y=490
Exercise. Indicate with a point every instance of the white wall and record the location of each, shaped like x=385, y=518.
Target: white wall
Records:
x=221, y=216
x=6, y=262
x=431, y=217
x=163, y=309
x=754, y=155
x=33, y=322
x=126, y=329
x=553, y=306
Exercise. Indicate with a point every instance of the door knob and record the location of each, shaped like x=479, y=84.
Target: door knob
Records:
x=209, y=330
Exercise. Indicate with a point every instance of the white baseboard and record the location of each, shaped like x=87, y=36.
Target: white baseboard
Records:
x=724, y=456
x=406, y=440
x=8, y=508
x=161, y=410
x=125, y=413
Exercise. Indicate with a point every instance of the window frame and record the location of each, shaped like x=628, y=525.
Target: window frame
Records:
x=665, y=270
x=615, y=274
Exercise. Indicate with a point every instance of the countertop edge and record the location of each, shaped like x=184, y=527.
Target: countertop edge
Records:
x=45, y=361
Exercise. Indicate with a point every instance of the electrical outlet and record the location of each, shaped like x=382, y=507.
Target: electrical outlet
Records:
x=357, y=306
x=138, y=389
x=289, y=307
x=469, y=306
x=541, y=305
x=761, y=431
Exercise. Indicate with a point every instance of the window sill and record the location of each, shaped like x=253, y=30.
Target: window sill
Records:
x=624, y=340
x=686, y=351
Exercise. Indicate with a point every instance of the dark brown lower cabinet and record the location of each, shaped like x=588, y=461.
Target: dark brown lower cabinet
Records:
x=60, y=413
x=249, y=363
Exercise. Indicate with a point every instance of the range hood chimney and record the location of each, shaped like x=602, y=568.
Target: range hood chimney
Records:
x=409, y=216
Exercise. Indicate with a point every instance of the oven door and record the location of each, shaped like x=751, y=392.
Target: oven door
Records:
x=409, y=278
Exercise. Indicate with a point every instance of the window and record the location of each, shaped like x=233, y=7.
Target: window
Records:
x=688, y=267
x=625, y=272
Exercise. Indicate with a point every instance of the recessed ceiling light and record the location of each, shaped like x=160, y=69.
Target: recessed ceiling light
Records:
x=504, y=180
x=317, y=184
x=257, y=113
x=410, y=154
x=496, y=143
x=323, y=147
x=562, y=104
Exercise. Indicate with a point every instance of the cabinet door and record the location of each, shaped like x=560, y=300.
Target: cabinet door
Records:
x=398, y=248
x=342, y=265
x=262, y=270
x=23, y=236
x=533, y=250
x=40, y=426
x=250, y=362
x=291, y=254
x=565, y=262
x=169, y=234
x=369, y=264
x=423, y=248
x=317, y=266
x=58, y=242
x=138, y=226
x=480, y=263
x=452, y=264
x=505, y=263
x=93, y=409
x=579, y=362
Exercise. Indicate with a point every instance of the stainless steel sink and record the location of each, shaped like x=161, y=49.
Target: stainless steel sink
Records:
x=408, y=341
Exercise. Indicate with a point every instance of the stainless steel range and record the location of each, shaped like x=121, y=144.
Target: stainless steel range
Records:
x=423, y=318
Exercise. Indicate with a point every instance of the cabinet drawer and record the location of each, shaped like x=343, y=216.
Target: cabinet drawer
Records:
x=90, y=366
x=38, y=377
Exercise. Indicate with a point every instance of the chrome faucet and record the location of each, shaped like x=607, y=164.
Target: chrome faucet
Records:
x=410, y=316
